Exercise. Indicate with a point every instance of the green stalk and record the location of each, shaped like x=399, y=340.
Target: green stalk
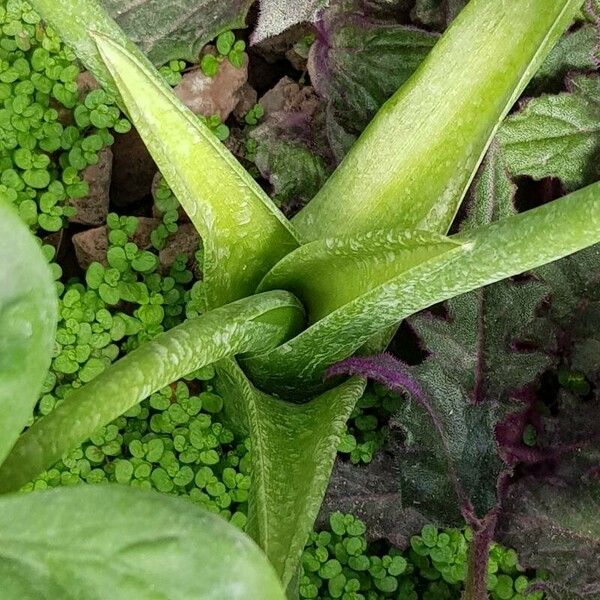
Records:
x=413, y=164
x=254, y=324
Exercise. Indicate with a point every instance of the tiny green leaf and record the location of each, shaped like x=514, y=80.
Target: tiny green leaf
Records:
x=28, y=307
x=94, y=541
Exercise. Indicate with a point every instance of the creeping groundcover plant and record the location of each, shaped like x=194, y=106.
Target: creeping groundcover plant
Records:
x=294, y=320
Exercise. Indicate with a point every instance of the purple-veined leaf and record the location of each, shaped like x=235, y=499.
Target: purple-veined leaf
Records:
x=557, y=135
x=357, y=62
x=555, y=527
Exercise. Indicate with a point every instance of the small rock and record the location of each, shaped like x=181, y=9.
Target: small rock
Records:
x=91, y=245
x=299, y=62
x=92, y=209
x=184, y=241
x=288, y=96
x=217, y=95
x=248, y=98
x=236, y=143
x=273, y=47
x=86, y=83
x=133, y=169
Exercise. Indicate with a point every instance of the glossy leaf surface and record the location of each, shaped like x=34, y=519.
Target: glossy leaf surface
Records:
x=486, y=255
x=28, y=308
x=252, y=324
x=450, y=110
x=93, y=541
x=293, y=450
x=328, y=274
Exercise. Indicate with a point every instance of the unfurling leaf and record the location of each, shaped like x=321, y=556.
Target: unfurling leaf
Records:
x=94, y=541
x=293, y=450
x=485, y=255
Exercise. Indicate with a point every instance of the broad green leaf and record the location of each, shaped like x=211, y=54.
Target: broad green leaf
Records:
x=176, y=29
x=28, y=306
x=253, y=324
x=293, y=450
x=557, y=136
x=244, y=234
x=241, y=228
x=91, y=542
x=485, y=255
x=413, y=164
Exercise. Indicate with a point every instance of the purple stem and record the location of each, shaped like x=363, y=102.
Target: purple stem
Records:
x=483, y=535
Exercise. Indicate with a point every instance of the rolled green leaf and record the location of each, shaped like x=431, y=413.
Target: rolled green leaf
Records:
x=413, y=164
x=28, y=308
x=293, y=450
x=483, y=256
x=326, y=275
x=253, y=324
x=244, y=233
x=119, y=542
